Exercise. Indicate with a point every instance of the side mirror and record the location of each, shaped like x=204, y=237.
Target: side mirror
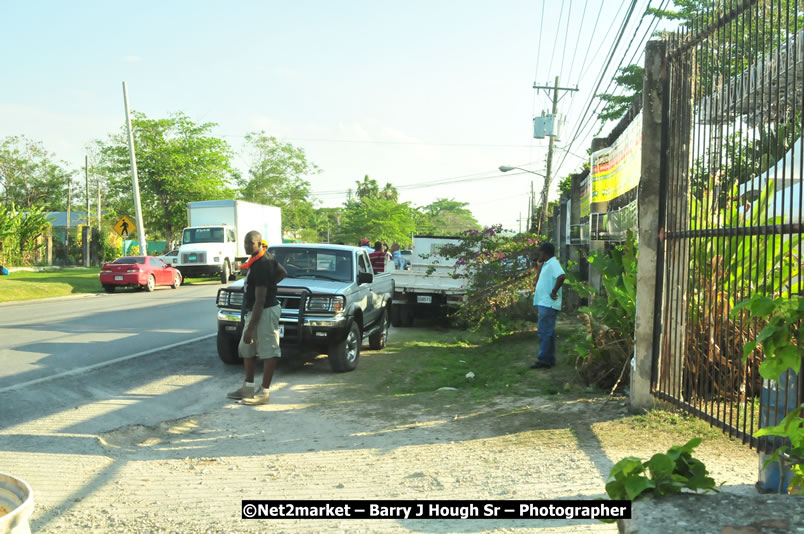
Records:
x=364, y=278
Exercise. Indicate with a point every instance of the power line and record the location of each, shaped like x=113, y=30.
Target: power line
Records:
x=378, y=142
x=539, y=46
x=575, y=48
x=431, y=183
x=649, y=31
x=616, y=43
x=555, y=41
x=566, y=34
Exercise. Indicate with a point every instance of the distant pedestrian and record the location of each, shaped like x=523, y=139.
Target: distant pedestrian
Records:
x=400, y=262
x=261, y=313
x=366, y=244
x=547, y=298
x=378, y=258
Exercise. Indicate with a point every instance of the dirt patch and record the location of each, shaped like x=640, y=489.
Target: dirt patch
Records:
x=323, y=437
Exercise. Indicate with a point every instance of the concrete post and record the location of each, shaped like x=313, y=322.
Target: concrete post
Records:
x=49, y=247
x=86, y=240
x=653, y=113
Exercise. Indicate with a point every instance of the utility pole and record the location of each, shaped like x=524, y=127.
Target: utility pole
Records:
x=543, y=200
x=86, y=174
x=137, y=207
x=67, y=236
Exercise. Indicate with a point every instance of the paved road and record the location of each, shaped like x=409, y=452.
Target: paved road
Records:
x=44, y=338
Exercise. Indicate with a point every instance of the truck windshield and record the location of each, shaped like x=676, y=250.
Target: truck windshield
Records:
x=202, y=235
x=315, y=263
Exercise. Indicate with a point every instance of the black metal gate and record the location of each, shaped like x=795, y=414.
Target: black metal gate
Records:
x=731, y=208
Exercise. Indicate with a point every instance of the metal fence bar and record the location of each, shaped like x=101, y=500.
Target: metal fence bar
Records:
x=730, y=227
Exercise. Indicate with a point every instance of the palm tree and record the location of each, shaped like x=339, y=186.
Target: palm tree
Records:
x=389, y=192
x=368, y=188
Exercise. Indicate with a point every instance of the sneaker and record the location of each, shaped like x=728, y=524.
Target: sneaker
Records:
x=540, y=365
x=260, y=397
x=243, y=393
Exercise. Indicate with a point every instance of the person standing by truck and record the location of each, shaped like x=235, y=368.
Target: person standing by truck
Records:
x=400, y=263
x=378, y=258
x=547, y=297
x=261, y=313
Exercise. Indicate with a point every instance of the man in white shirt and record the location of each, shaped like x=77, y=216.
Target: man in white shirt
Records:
x=547, y=298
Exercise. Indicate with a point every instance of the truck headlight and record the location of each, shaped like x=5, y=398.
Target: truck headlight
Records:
x=326, y=304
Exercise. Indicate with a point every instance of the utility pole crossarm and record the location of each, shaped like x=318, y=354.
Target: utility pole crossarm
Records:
x=554, y=88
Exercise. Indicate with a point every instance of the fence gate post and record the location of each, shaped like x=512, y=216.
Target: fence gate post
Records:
x=649, y=198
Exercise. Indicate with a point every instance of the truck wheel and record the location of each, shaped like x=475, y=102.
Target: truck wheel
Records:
x=149, y=286
x=343, y=356
x=227, y=349
x=378, y=339
x=109, y=288
x=396, y=314
x=225, y=272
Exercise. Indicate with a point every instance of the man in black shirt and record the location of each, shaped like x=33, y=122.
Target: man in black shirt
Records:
x=261, y=313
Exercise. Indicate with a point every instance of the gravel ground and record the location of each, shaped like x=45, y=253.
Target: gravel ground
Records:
x=190, y=474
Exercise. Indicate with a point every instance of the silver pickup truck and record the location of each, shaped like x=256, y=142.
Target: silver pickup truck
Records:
x=331, y=301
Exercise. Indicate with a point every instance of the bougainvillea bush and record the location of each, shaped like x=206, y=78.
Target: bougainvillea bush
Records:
x=499, y=271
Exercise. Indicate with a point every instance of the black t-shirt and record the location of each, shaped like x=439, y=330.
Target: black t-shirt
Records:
x=261, y=273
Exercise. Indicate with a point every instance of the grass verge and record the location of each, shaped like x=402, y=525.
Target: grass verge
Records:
x=29, y=285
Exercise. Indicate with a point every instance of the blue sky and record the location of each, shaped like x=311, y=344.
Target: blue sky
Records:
x=406, y=92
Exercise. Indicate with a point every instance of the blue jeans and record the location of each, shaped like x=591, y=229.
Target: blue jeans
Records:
x=547, y=335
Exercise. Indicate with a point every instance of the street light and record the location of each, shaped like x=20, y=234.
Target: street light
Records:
x=506, y=168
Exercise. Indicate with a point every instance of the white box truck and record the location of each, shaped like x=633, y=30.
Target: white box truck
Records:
x=212, y=243
x=429, y=288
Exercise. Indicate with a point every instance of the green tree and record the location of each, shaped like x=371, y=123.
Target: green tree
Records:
x=378, y=219
x=178, y=161
x=276, y=177
x=449, y=217
x=368, y=188
x=30, y=176
x=630, y=78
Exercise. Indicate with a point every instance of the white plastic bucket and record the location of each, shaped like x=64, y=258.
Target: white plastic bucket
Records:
x=16, y=505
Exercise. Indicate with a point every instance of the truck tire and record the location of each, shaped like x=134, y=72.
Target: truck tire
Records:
x=378, y=339
x=343, y=356
x=227, y=348
x=396, y=314
x=225, y=272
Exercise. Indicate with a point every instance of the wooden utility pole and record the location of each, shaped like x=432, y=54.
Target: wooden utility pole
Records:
x=546, y=189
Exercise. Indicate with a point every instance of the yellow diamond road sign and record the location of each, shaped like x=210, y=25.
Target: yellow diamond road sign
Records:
x=125, y=227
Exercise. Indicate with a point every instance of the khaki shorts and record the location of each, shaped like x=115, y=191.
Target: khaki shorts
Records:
x=266, y=339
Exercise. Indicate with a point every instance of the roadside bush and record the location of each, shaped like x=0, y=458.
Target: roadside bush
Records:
x=499, y=276
x=605, y=348
x=20, y=233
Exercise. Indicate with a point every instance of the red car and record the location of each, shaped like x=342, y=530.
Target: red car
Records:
x=144, y=272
